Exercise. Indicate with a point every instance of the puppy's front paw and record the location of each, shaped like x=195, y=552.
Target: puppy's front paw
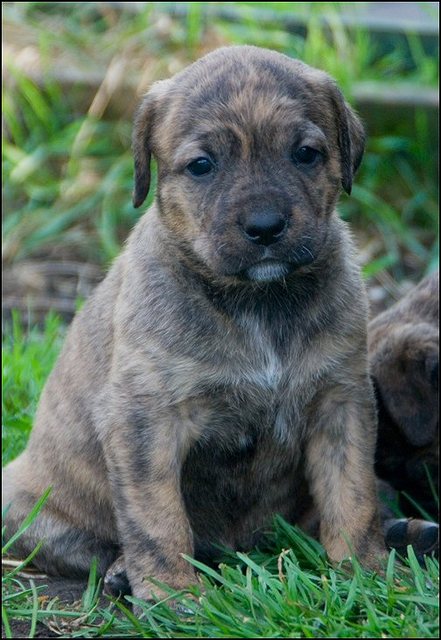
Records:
x=152, y=594
x=375, y=559
x=147, y=590
x=369, y=550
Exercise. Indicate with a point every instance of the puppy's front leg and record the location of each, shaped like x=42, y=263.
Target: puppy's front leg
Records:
x=339, y=459
x=143, y=455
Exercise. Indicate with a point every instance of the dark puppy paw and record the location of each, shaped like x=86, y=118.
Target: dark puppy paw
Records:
x=421, y=534
x=116, y=583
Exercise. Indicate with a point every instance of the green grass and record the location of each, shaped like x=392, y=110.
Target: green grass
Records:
x=28, y=357
x=285, y=589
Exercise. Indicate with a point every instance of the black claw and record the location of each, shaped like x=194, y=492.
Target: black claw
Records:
x=117, y=584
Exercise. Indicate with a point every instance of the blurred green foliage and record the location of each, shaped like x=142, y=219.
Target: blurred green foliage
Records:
x=68, y=166
x=28, y=356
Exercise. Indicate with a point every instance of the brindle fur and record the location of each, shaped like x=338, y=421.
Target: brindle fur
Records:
x=404, y=357
x=192, y=400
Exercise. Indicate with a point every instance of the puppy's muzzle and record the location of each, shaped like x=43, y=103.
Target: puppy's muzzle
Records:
x=264, y=227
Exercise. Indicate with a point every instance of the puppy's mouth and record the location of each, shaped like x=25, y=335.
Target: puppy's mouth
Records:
x=270, y=269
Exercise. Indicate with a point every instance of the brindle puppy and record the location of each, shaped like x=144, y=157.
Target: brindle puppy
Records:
x=403, y=347
x=218, y=375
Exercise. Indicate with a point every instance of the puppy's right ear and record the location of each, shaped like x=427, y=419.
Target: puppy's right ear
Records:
x=142, y=139
x=351, y=138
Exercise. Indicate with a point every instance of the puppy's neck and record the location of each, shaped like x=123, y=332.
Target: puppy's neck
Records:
x=235, y=296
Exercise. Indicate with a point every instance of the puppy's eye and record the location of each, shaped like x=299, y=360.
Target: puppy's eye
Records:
x=306, y=155
x=200, y=167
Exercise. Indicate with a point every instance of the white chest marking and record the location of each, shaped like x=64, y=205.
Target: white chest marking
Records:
x=265, y=367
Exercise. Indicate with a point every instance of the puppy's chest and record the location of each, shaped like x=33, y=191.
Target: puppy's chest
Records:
x=261, y=384
x=262, y=361
x=258, y=375
x=276, y=359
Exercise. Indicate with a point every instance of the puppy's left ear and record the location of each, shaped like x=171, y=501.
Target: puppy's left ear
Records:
x=145, y=119
x=351, y=139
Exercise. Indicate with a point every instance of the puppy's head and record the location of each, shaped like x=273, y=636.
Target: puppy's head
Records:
x=252, y=150
x=404, y=364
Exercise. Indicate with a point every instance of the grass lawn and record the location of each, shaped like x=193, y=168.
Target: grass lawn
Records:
x=287, y=589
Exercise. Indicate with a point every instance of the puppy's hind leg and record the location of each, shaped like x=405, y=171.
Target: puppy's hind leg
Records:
x=66, y=549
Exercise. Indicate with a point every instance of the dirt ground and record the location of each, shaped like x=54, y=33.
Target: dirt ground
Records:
x=69, y=593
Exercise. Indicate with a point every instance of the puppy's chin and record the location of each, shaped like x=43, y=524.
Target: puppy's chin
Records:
x=267, y=271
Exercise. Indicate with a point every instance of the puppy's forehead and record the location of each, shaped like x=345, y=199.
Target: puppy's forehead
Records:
x=247, y=83
x=230, y=68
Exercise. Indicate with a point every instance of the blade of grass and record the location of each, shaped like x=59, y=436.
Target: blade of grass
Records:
x=431, y=484
x=28, y=520
x=132, y=618
x=35, y=605
x=5, y=620
x=417, y=506
x=26, y=561
x=91, y=594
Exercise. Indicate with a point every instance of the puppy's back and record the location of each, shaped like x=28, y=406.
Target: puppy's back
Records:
x=64, y=451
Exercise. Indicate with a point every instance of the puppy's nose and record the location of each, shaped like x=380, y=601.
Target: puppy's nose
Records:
x=264, y=227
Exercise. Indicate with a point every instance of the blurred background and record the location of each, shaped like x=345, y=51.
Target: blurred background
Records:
x=74, y=72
